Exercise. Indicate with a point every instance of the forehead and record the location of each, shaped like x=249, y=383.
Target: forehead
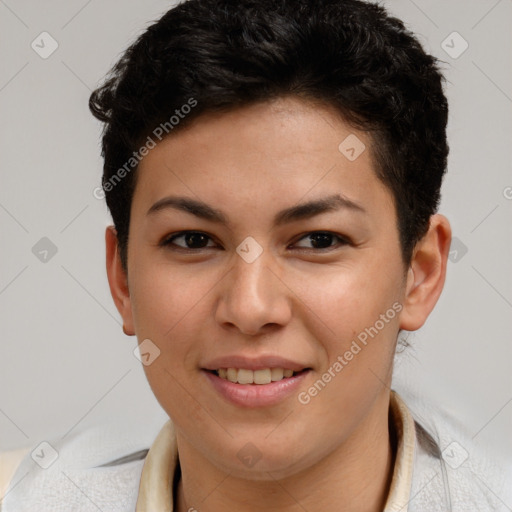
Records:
x=267, y=154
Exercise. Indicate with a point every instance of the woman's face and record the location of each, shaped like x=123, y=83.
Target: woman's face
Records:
x=257, y=287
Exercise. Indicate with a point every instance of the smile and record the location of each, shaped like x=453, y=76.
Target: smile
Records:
x=245, y=376
x=264, y=387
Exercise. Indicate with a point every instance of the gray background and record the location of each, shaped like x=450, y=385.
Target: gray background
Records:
x=64, y=362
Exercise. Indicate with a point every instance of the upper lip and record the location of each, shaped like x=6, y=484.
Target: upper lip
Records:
x=255, y=363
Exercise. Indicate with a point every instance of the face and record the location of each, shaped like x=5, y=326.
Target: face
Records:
x=257, y=244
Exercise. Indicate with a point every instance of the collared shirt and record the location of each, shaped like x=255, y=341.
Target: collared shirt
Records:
x=156, y=484
x=437, y=468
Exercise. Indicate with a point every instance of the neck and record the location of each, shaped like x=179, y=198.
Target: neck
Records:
x=353, y=478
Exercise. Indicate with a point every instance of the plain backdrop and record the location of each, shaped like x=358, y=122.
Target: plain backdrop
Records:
x=65, y=363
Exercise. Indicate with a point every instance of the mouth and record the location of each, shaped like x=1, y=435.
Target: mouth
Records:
x=259, y=388
x=256, y=377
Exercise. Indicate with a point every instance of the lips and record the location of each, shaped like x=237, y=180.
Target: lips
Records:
x=256, y=382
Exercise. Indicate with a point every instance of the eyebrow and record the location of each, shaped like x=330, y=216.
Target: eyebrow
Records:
x=294, y=213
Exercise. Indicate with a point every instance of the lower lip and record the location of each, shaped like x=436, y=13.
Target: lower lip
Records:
x=256, y=395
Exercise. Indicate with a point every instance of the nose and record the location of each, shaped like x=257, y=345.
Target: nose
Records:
x=253, y=299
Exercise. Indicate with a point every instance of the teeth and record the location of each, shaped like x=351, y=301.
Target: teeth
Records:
x=244, y=376
x=262, y=376
x=276, y=374
x=232, y=374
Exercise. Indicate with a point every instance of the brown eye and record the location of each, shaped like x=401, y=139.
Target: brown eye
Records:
x=189, y=240
x=322, y=240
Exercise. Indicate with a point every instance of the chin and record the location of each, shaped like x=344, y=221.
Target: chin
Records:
x=251, y=463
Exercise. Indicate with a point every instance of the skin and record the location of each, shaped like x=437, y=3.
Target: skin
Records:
x=294, y=300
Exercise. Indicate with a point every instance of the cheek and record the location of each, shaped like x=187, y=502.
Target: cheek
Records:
x=347, y=298
x=164, y=296
x=359, y=307
x=169, y=308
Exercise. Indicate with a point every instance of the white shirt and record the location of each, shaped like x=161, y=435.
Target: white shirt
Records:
x=96, y=470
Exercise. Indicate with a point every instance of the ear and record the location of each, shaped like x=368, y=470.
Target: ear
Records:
x=118, y=281
x=427, y=273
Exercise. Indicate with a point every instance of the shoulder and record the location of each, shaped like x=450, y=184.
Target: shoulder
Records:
x=451, y=470
x=98, y=468
x=9, y=462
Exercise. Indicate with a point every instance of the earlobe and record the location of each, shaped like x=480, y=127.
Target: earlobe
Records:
x=118, y=281
x=426, y=274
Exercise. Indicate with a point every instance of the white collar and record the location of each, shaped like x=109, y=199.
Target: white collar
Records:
x=156, y=483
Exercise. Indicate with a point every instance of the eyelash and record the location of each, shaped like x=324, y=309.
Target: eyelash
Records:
x=168, y=241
